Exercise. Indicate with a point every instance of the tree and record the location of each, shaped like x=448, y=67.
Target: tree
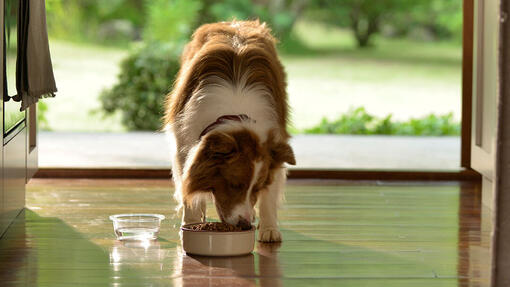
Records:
x=442, y=18
x=363, y=17
x=284, y=14
x=281, y=15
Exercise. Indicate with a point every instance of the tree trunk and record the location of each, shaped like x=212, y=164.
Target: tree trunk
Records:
x=363, y=25
x=295, y=8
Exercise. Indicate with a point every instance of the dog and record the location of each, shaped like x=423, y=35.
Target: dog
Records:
x=227, y=114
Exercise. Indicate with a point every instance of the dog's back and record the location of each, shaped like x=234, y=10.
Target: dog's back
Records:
x=239, y=52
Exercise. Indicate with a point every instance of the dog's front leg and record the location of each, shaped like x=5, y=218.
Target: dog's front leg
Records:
x=268, y=209
x=194, y=214
x=268, y=212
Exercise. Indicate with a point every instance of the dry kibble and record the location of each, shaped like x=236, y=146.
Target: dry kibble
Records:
x=215, y=226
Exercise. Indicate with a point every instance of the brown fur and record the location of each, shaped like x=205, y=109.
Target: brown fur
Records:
x=229, y=51
x=224, y=166
x=224, y=162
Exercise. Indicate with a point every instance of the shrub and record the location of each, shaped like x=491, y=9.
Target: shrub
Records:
x=42, y=110
x=359, y=122
x=146, y=76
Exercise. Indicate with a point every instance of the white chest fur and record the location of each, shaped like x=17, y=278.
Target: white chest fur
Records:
x=224, y=98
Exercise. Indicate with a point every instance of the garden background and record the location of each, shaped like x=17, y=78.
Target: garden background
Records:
x=354, y=66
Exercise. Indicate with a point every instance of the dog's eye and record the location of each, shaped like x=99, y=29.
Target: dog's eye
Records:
x=239, y=186
x=222, y=155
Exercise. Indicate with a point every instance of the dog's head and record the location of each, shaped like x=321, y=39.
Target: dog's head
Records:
x=235, y=167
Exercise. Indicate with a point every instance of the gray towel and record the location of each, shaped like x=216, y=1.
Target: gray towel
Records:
x=34, y=72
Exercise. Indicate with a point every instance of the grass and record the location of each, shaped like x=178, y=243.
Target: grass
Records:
x=404, y=78
x=327, y=75
x=320, y=40
x=81, y=72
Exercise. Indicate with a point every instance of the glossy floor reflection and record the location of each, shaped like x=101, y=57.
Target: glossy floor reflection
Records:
x=335, y=234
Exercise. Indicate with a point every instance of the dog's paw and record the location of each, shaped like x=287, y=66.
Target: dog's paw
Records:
x=269, y=234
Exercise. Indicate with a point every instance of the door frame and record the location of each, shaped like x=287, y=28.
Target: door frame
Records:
x=501, y=228
x=467, y=82
x=465, y=171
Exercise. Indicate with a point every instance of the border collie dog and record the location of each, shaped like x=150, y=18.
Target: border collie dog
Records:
x=227, y=115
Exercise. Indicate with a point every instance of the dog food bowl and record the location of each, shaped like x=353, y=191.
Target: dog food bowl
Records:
x=136, y=226
x=217, y=243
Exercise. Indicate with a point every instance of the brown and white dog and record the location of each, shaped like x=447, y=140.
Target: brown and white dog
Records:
x=228, y=115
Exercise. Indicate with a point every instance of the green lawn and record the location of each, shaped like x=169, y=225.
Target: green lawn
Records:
x=81, y=73
x=408, y=79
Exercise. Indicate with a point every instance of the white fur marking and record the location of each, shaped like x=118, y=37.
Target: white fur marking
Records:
x=245, y=209
x=224, y=98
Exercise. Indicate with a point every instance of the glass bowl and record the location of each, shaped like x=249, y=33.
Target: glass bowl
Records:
x=136, y=226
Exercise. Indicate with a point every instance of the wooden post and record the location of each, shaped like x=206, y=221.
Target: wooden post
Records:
x=501, y=238
x=467, y=82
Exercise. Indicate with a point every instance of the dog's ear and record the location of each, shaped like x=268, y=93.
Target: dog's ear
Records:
x=281, y=152
x=193, y=188
x=197, y=174
x=219, y=145
x=203, y=162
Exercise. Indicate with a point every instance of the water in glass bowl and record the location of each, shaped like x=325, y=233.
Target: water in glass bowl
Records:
x=136, y=233
x=138, y=226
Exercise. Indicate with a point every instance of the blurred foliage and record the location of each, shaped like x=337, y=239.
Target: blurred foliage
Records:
x=279, y=15
x=176, y=19
x=103, y=22
x=42, y=111
x=442, y=18
x=434, y=18
x=165, y=25
x=170, y=21
x=146, y=77
x=363, y=17
x=147, y=74
x=122, y=21
x=358, y=122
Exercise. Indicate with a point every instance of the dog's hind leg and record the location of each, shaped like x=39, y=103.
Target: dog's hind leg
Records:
x=269, y=202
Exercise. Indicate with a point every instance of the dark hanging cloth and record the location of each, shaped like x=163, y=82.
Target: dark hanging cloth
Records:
x=34, y=72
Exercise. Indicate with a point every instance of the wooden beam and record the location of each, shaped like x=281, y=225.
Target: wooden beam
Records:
x=464, y=175
x=501, y=232
x=467, y=82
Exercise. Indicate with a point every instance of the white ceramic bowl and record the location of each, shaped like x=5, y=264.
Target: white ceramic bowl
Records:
x=217, y=243
x=136, y=226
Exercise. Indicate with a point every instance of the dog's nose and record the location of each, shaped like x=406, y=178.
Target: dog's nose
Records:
x=244, y=223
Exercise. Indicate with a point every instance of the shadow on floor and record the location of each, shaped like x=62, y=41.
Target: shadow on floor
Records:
x=45, y=251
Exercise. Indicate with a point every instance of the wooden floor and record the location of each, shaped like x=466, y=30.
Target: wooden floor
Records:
x=335, y=234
